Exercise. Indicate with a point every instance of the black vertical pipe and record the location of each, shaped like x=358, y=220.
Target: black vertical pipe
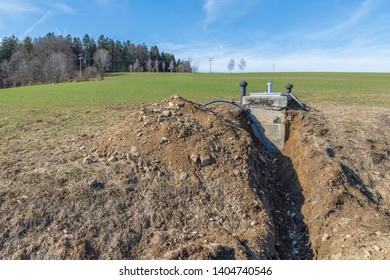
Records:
x=243, y=86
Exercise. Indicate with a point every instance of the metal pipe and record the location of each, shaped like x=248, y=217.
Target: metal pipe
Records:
x=289, y=88
x=269, y=87
x=243, y=85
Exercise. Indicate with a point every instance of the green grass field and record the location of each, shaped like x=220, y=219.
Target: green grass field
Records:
x=127, y=89
x=79, y=108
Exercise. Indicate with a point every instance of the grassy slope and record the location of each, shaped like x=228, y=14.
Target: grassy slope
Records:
x=82, y=108
x=124, y=89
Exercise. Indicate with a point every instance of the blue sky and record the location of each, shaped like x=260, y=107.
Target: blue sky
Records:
x=284, y=35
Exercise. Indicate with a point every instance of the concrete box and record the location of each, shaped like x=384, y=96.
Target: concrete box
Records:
x=269, y=111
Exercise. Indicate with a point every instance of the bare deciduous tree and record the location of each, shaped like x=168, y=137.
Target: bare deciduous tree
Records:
x=101, y=60
x=149, y=65
x=137, y=66
x=242, y=64
x=171, y=66
x=156, y=66
x=231, y=65
x=56, y=68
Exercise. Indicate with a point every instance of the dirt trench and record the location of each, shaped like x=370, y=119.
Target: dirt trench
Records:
x=318, y=210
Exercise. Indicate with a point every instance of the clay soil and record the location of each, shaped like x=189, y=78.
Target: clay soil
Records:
x=176, y=180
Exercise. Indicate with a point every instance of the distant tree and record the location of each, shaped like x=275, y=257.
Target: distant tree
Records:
x=3, y=74
x=56, y=68
x=101, y=60
x=137, y=66
x=157, y=66
x=53, y=58
x=242, y=64
x=102, y=42
x=149, y=65
x=231, y=65
x=142, y=54
x=163, y=65
x=89, y=48
x=180, y=67
x=154, y=53
x=195, y=67
x=7, y=47
x=19, y=70
x=27, y=47
x=171, y=66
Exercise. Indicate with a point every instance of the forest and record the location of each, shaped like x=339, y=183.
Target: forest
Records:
x=56, y=59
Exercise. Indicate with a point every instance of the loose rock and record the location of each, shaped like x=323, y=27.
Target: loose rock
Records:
x=253, y=223
x=165, y=140
x=325, y=237
x=195, y=158
x=112, y=159
x=88, y=159
x=166, y=113
x=134, y=151
x=183, y=176
x=95, y=184
x=206, y=160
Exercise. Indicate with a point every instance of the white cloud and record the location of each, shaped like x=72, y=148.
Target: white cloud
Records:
x=225, y=10
x=338, y=59
x=37, y=23
x=63, y=8
x=16, y=7
x=362, y=12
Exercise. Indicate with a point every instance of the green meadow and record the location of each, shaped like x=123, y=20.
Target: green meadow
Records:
x=129, y=89
x=83, y=108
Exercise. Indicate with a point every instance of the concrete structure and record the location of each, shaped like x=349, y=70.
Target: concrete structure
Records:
x=269, y=108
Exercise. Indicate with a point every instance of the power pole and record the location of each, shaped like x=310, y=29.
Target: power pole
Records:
x=80, y=58
x=211, y=60
x=273, y=67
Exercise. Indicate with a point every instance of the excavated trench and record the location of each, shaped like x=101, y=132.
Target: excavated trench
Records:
x=317, y=212
x=292, y=237
x=285, y=201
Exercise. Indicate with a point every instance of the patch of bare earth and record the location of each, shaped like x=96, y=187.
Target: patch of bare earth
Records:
x=176, y=180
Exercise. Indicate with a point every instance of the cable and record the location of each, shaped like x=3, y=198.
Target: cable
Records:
x=250, y=117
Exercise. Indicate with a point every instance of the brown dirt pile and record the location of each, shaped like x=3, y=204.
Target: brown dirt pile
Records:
x=191, y=185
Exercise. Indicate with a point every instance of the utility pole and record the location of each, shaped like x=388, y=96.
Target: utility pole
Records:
x=273, y=67
x=80, y=58
x=211, y=60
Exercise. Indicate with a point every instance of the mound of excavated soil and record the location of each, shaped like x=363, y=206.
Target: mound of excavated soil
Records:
x=192, y=185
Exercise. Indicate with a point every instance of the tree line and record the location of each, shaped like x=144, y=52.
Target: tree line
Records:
x=55, y=59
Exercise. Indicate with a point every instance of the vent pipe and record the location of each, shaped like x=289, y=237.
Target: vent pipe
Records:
x=269, y=90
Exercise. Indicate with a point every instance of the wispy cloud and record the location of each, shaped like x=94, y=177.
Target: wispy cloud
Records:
x=213, y=9
x=16, y=7
x=64, y=8
x=364, y=10
x=37, y=23
x=103, y=4
x=225, y=10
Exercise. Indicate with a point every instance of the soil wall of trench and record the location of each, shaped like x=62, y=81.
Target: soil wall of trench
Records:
x=328, y=216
